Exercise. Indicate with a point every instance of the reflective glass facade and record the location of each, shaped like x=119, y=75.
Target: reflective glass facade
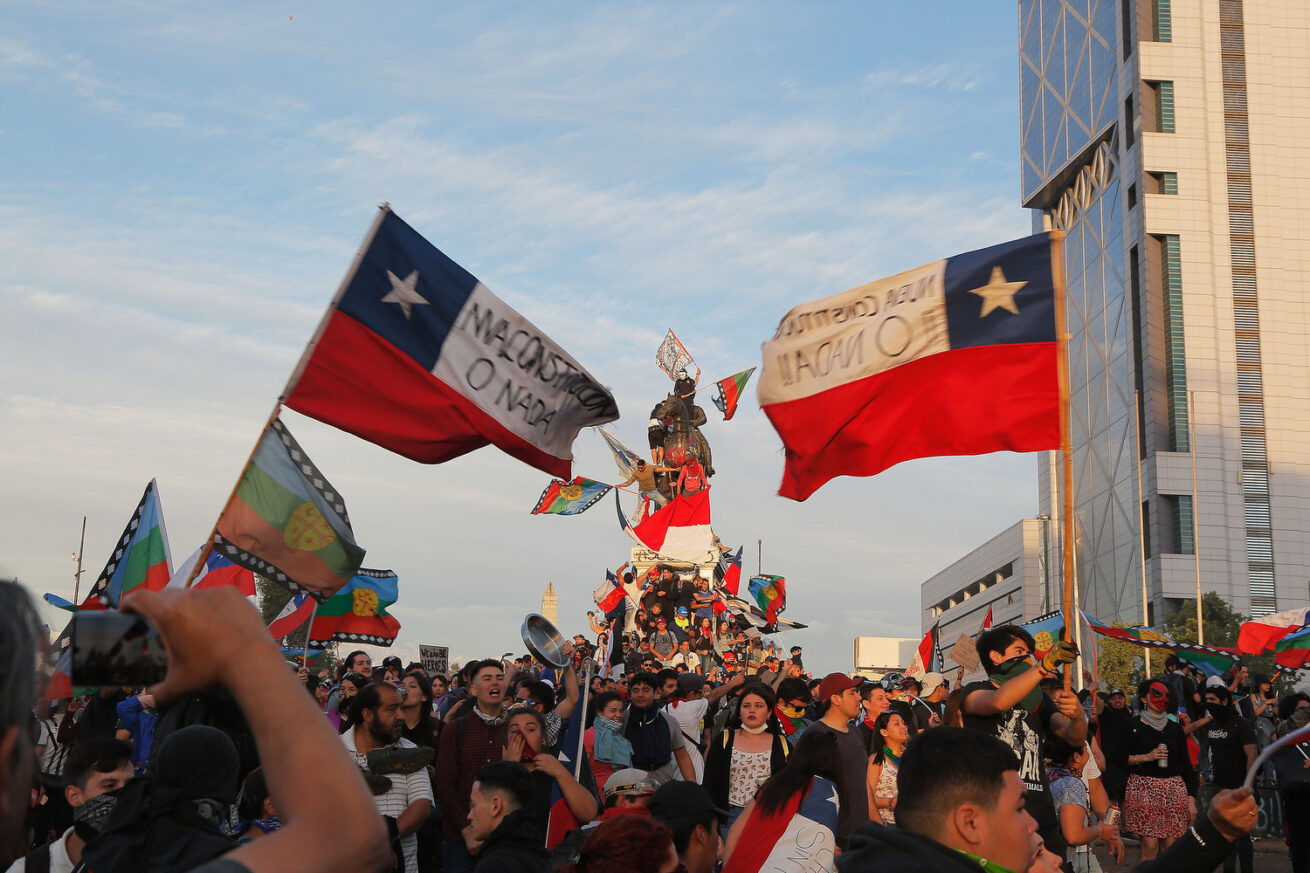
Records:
x=1070, y=157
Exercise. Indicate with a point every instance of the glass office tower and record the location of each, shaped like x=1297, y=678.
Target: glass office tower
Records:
x=1172, y=146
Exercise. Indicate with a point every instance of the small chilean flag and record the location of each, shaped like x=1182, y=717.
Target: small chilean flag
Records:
x=957, y=357
x=416, y=355
x=297, y=611
x=609, y=595
x=727, y=573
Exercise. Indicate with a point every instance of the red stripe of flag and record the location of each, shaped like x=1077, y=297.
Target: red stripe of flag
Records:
x=969, y=401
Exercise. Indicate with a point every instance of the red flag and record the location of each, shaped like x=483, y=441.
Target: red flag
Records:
x=987, y=619
x=957, y=357
x=680, y=531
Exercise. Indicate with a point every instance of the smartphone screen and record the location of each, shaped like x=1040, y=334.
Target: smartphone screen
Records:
x=116, y=648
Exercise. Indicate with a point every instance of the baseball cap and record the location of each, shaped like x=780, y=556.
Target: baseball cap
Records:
x=690, y=683
x=907, y=681
x=679, y=801
x=836, y=683
x=931, y=682
x=628, y=781
x=1118, y=691
x=1215, y=680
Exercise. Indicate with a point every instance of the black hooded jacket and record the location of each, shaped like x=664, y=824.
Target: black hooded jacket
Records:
x=874, y=849
x=515, y=846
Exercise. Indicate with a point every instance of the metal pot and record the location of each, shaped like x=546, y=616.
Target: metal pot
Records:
x=543, y=640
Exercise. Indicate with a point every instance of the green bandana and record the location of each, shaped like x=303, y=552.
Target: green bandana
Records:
x=1009, y=669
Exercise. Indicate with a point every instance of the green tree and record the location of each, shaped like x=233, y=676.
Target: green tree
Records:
x=272, y=597
x=1121, y=665
x=1221, y=622
x=1222, y=625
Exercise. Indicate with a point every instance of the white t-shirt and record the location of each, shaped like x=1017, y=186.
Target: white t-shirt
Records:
x=689, y=715
x=59, y=860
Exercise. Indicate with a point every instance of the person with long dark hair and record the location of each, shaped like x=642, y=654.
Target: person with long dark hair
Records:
x=750, y=749
x=794, y=815
x=890, y=736
x=421, y=728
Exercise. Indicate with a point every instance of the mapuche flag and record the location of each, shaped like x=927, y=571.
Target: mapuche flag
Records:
x=728, y=392
x=569, y=498
x=957, y=357
x=358, y=612
x=286, y=522
x=770, y=592
x=418, y=356
x=140, y=559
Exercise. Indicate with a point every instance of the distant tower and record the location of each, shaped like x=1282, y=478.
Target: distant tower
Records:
x=550, y=604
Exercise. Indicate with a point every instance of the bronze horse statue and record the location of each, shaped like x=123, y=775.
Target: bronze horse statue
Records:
x=675, y=428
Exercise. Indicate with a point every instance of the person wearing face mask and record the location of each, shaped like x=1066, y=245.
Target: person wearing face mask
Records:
x=1232, y=752
x=1011, y=706
x=749, y=750
x=1160, y=797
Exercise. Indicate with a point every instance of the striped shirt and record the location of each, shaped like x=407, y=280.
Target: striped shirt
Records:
x=406, y=788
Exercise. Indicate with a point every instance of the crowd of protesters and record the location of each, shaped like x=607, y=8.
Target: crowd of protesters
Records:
x=734, y=759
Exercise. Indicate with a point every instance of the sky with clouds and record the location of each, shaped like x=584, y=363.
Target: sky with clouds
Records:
x=185, y=184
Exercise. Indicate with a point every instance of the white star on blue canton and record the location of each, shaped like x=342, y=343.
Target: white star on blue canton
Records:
x=404, y=292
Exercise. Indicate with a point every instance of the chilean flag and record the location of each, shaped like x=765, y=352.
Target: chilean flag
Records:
x=416, y=355
x=680, y=530
x=609, y=596
x=957, y=357
x=1262, y=634
x=297, y=611
x=217, y=572
x=561, y=819
x=799, y=838
x=728, y=572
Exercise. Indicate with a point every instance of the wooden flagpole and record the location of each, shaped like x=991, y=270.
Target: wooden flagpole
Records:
x=1066, y=436
x=1141, y=519
x=383, y=210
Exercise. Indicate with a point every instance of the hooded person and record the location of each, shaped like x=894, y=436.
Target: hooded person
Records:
x=172, y=820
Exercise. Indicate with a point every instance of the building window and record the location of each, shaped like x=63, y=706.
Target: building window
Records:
x=1163, y=183
x=1164, y=106
x=1162, y=22
x=1175, y=365
x=1127, y=11
x=1132, y=196
x=1180, y=507
x=1147, y=550
x=1131, y=122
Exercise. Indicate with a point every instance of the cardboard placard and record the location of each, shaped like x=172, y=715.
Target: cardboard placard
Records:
x=965, y=653
x=435, y=659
